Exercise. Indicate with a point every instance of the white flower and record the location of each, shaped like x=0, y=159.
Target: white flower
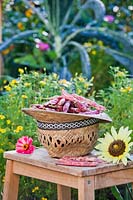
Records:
x=115, y=147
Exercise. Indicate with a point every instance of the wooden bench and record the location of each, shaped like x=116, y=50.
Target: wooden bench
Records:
x=41, y=166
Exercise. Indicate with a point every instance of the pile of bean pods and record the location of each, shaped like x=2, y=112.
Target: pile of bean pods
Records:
x=70, y=103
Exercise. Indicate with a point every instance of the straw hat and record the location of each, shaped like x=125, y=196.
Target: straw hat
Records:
x=53, y=116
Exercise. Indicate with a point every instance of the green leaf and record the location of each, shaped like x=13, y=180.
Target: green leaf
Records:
x=27, y=60
x=51, y=54
x=85, y=61
x=116, y=193
x=15, y=38
x=96, y=5
x=37, y=52
x=123, y=38
x=121, y=57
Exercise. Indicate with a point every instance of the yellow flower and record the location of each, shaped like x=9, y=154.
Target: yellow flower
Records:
x=81, y=79
x=13, y=82
x=122, y=90
x=93, y=52
x=100, y=43
x=35, y=189
x=42, y=83
x=6, y=51
x=21, y=71
x=28, y=13
x=24, y=96
x=87, y=44
x=2, y=117
x=44, y=198
x=18, y=129
x=35, y=73
x=126, y=89
x=55, y=75
x=115, y=147
x=79, y=91
x=120, y=74
x=64, y=82
x=3, y=179
x=86, y=85
x=4, y=81
x=8, y=121
x=1, y=88
x=2, y=130
x=7, y=88
x=1, y=150
x=129, y=89
x=27, y=84
x=20, y=26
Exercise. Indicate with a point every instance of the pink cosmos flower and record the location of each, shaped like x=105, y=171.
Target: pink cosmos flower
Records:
x=24, y=145
x=43, y=46
x=109, y=18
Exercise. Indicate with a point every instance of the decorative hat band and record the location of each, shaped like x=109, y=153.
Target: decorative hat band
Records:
x=67, y=125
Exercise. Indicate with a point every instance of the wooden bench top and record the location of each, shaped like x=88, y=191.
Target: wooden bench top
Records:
x=41, y=158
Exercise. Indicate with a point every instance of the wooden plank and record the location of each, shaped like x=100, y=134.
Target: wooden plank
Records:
x=41, y=158
x=114, y=178
x=45, y=174
x=11, y=183
x=86, y=190
x=63, y=192
x=105, y=168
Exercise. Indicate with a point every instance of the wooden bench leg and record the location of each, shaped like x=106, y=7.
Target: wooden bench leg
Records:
x=63, y=192
x=11, y=183
x=86, y=190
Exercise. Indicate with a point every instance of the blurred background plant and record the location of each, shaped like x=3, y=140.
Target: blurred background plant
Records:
x=118, y=99
x=49, y=34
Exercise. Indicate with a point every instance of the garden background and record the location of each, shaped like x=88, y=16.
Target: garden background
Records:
x=82, y=46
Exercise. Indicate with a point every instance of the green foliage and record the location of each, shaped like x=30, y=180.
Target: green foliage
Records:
x=116, y=193
x=122, y=192
x=118, y=99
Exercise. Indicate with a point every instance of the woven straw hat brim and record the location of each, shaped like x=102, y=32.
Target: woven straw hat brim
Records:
x=53, y=116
